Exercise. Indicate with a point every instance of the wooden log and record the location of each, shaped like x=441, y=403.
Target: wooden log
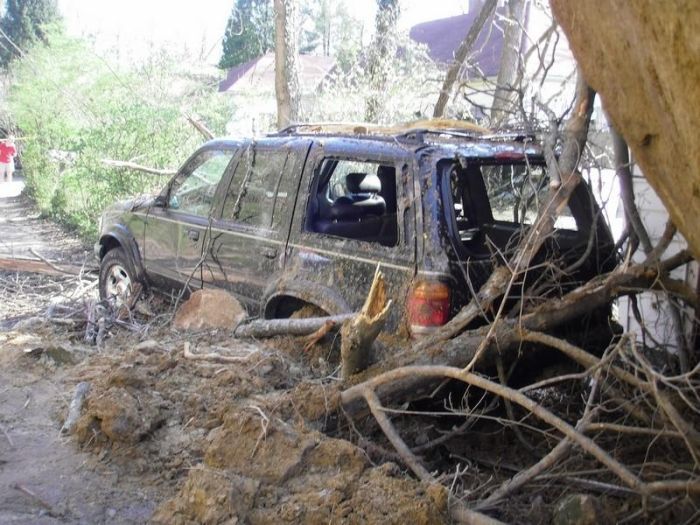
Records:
x=14, y=264
x=76, y=405
x=271, y=327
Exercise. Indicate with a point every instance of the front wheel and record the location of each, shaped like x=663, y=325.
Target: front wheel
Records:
x=117, y=279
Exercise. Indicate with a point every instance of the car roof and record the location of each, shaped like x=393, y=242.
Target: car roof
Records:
x=439, y=137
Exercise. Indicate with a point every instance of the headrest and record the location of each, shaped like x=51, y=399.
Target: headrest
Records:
x=362, y=183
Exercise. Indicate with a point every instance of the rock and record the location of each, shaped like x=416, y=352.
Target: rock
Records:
x=209, y=308
x=60, y=355
x=120, y=415
x=258, y=442
x=210, y=496
x=580, y=509
x=148, y=345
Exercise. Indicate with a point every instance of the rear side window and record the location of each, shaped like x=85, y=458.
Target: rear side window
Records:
x=262, y=188
x=516, y=192
x=354, y=200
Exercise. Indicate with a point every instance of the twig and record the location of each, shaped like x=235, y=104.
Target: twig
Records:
x=52, y=265
x=49, y=508
x=7, y=435
x=216, y=358
x=318, y=335
x=199, y=126
x=458, y=511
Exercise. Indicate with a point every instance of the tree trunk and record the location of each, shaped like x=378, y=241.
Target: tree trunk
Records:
x=463, y=51
x=642, y=59
x=510, y=55
x=286, y=63
x=383, y=49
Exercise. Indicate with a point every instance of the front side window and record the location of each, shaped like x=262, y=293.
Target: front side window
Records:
x=354, y=200
x=262, y=188
x=195, y=194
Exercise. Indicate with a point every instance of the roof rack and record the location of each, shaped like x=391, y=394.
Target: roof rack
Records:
x=511, y=135
x=415, y=131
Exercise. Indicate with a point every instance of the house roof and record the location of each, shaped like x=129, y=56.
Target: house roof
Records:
x=259, y=74
x=444, y=36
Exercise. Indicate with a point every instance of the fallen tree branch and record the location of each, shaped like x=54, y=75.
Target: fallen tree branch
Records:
x=14, y=264
x=138, y=167
x=458, y=511
x=501, y=280
x=505, y=337
x=272, y=327
x=199, y=126
x=584, y=442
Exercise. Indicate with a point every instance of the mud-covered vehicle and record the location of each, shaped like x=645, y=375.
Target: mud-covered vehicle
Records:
x=304, y=216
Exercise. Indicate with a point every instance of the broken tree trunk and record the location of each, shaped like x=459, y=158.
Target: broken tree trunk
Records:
x=358, y=333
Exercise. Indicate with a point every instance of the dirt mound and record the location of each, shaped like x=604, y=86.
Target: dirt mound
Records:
x=262, y=470
x=238, y=441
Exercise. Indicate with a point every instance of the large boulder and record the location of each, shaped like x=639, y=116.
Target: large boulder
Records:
x=642, y=58
x=209, y=308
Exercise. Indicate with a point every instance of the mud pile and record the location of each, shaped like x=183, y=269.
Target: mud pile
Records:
x=239, y=442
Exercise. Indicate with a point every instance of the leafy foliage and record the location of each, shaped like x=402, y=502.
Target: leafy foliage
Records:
x=407, y=92
x=74, y=111
x=25, y=22
x=325, y=27
x=250, y=32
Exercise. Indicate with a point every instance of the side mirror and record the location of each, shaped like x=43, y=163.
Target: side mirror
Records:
x=159, y=201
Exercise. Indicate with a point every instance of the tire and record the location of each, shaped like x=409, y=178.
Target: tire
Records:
x=117, y=277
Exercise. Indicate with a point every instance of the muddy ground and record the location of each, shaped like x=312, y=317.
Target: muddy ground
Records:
x=182, y=441
x=164, y=438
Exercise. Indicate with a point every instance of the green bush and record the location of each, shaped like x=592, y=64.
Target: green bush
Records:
x=74, y=110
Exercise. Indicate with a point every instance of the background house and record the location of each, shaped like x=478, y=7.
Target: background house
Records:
x=253, y=83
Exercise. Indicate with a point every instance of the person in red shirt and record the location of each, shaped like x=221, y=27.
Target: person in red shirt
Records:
x=7, y=158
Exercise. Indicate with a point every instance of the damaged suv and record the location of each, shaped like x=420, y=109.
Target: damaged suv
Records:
x=304, y=216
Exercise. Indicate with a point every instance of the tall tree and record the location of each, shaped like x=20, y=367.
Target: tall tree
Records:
x=486, y=12
x=286, y=63
x=510, y=56
x=249, y=32
x=383, y=49
x=24, y=24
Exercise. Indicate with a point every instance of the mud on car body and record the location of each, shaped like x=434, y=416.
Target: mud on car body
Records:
x=304, y=216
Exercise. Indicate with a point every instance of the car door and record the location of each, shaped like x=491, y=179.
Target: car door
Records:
x=176, y=229
x=339, y=253
x=248, y=242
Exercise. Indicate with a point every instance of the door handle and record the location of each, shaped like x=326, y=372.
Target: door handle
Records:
x=193, y=235
x=270, y=253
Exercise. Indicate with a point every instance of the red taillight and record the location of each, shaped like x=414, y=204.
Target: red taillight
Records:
x=428, y=305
